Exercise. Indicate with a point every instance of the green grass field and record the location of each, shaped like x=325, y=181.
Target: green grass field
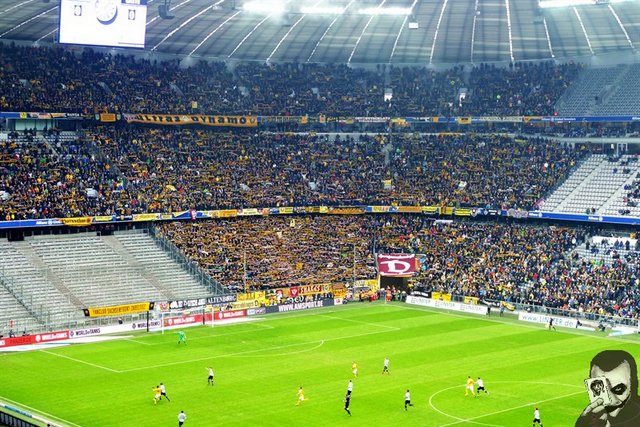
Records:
x=260, y=365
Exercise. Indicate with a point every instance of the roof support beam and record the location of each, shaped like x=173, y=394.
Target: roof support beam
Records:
x=624, y=30
x=395, y=44
x=175, y=30
x=363, y=31
x=326, y=31
x=213, y=32
x=584, y=30
x=435, y=36
x=171, y=9
x=546, y=31
x=473, y=29
x=33, y=18
x=506, y=4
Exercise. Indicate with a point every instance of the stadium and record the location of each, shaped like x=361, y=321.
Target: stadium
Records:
x=319, y=213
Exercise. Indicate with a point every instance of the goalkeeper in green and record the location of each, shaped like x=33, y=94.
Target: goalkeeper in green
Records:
x=182, y=337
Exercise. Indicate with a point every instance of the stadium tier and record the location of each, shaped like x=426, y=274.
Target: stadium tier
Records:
x=51, y=279
x=93, y=82
x=388, y=160
x=137, y=170
x=559, y=268
x=599, y=185
x=603, y=92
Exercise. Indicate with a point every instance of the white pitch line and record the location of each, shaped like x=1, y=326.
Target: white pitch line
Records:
x=208, y=336
x=38, y=411
x=80, y=361
x=240, y=353
x=182, y=362
x=471, y=420
x=461, y=420
x=288, y=353
x=138, y=342
x=520, y=325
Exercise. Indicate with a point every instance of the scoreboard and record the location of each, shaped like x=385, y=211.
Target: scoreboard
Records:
x=115, y=23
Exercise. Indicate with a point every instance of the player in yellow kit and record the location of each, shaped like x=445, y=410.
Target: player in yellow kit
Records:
x=354, y=369
x=300, y=396
x=157, y=391
x=470, y=387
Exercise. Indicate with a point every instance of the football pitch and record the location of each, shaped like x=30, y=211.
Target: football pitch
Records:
x=260, y=365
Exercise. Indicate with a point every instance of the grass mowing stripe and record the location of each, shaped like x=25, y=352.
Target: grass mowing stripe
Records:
x=632, y=339
x=377, y=325
x=258, y=371
x=80, y=361
x=167, y=333
x=242, y=353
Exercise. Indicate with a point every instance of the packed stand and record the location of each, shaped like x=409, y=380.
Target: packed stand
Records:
x=522, y=89
x=255, y=254
x=180, y=169
x=137, y=170
x=46, y=178
x=59, y=80
x=490, y=261
x=517, y=263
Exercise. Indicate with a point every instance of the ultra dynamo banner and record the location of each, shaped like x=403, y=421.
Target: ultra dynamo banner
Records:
x=192, y=119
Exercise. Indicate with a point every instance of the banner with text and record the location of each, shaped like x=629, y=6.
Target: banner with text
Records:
x=544, y=319
x=447, y=305
x=34, y=339
x=192, y=119
x=282, y=308
x=117, y=310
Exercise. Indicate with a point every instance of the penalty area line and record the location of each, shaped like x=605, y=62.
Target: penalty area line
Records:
x=318, y=343
x=81, y=361
x=204, y=337
x=472, y=419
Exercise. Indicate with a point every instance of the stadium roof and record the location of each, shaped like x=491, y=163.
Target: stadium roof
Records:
x=365, y=31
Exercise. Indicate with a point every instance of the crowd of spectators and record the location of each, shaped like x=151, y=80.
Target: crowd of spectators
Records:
x=138, y=170
x=522, y=89
x=492, y=261
x=520, y=263
x=53, y=179
x=86, y=81
x=273, y=252
x=128, y=170
x=124, y=170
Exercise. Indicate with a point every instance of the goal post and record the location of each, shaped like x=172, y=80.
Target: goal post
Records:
x=209, y=315
x=178, y=319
